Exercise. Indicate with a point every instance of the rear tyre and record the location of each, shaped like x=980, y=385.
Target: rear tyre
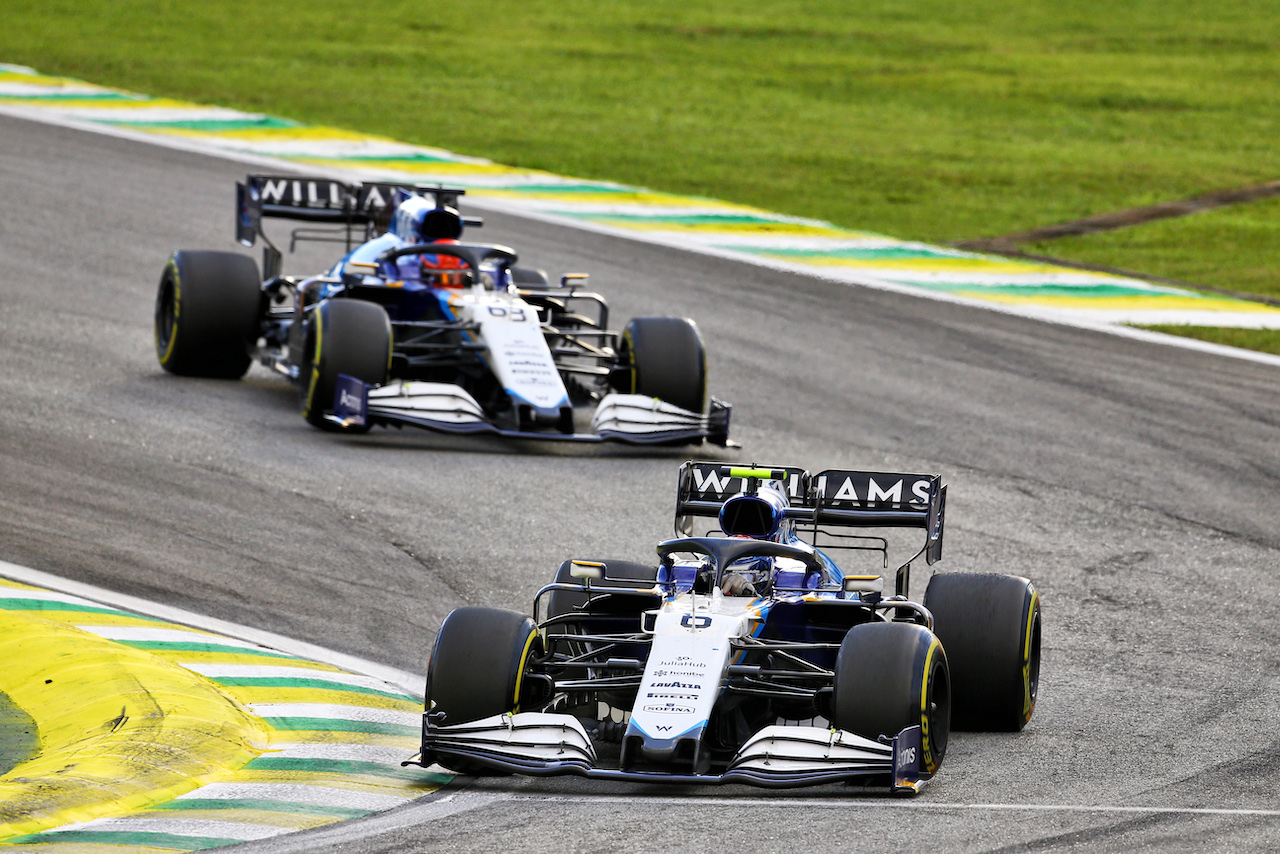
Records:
x=529, y=277
x=344, y=336
x=208, y=308
x=477, y=666
x=621, y=573
x=890, y=676
x=990, y=626
x=663, y=357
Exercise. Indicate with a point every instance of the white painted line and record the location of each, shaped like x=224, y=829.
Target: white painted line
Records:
x=192, y=827
x=254, y=671
x=296, y=793
x=329, y=711
x=638, y=800
x=144, y=634
x=413, y=683
x=337, y=752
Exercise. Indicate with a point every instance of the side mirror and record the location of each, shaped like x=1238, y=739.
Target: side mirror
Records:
x=586, y=569
x=359, y=268
x=863, y=584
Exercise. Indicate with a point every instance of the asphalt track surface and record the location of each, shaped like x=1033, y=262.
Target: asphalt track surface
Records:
x=1137, y=485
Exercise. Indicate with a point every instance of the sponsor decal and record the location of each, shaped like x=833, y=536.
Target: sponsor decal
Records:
x=668, y=709
x=658, y=674
x=684, y=685
x=871, y=488
x=654, y=696
x=710, y=480
x=906, y=759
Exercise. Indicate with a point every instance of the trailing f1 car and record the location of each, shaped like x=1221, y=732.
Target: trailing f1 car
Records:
x=746, y=657
x=413, y=327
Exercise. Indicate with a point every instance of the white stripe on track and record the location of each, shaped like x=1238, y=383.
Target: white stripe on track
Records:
x=254, y=671
x=192, y=827
x=296, y=793
x=330, y=711
x=338, y=753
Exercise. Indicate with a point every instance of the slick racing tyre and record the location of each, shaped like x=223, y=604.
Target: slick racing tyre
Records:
x=529, y=277
x=890, y=676
x=990, y=627
x=208, y=308
x=663, y=357
x=478, y=664
x=344, y=336
x=607, y=614
x=621, y=573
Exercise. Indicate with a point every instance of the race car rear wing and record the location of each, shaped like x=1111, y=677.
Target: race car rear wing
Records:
x=353, y=205
x=835, y=497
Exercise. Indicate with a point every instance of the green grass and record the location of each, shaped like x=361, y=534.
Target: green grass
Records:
x=924, y=119
x=1234, y=248
x=1264, y=340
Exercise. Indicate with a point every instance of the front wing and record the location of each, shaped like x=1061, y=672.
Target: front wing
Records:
x=449, y=408
x=777, y=757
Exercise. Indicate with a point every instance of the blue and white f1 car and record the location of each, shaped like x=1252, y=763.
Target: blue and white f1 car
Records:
x=413, y=327
x=748, y=656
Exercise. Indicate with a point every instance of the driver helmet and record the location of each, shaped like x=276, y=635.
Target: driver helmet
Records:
x=442, y=223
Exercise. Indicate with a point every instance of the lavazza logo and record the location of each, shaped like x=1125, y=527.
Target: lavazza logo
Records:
x=686, y=685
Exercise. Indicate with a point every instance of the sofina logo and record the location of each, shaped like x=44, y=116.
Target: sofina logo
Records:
x=669, y=709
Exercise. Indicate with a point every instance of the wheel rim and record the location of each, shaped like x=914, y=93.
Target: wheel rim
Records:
x=166, y=318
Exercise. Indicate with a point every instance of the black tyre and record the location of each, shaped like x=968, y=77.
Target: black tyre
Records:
x=344, y=336
x=621, y=573
x=529, y=277
x=207, y=315
x=663, y=357
x=890, y=676
x=990, y=627
x=478, y=663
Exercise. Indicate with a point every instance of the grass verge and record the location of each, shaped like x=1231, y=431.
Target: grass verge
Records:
x=1262, y=340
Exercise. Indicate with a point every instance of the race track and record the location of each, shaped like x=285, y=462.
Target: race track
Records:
x=1137, y=485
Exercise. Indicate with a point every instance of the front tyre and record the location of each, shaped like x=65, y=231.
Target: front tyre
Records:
x=478, y=664
x=207, y=314
x=990, y=627
x=344, y=336
x=663, y=357
x=890, y=676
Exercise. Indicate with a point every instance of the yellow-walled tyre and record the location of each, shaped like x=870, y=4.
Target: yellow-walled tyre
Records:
x=663, y=357
x=478, y=664
x=207, y=314
x=344, y=336
x=990, y=627
x=890, y=676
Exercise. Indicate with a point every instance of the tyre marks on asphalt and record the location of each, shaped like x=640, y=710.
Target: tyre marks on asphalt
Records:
x=794, y=244
x=331, y=740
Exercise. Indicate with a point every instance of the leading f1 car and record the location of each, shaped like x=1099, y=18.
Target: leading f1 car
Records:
x=413, y=327
x=746, y=655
